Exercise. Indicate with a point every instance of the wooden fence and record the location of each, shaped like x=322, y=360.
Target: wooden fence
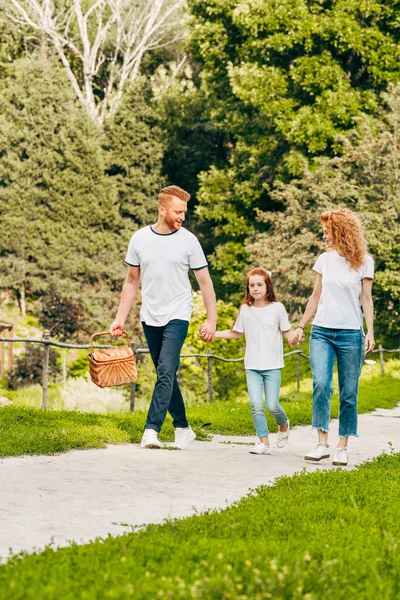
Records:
x=46, y=341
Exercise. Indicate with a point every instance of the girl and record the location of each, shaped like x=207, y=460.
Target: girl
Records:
x=342, y=290
x=264, y=321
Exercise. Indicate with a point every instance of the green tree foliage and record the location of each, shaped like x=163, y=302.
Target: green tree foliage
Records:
x=134, y=150
x=366, y=179
x=70, y=195
x=285, y=78
x=59, y=211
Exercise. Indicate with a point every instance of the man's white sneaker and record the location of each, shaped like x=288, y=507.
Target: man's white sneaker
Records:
x=183, y=437
x=340, y=457
x=282, y=437
x=260, y=448
x=150, y=439
x=320, y=452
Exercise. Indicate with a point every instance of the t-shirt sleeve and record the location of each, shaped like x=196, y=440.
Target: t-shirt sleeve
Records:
x=132, y=256
x=197, y=259
x=239, y=323
x=319, y=264
x=284, y=324
x=367, y=270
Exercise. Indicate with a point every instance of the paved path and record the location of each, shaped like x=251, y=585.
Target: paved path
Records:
x=84, y=494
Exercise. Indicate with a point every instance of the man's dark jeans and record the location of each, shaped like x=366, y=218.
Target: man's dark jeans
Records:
x=165, y=344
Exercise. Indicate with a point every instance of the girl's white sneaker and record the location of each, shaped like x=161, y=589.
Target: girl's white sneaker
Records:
x=282, y=437
x=260, y=448
x=340, y=457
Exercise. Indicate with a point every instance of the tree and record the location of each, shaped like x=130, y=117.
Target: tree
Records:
x=100, y=43
x=284, y=79
x=59, y=211
x=366, y=179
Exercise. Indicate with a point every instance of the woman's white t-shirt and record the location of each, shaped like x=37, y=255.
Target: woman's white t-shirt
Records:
x=263, y=329
x=340, y=304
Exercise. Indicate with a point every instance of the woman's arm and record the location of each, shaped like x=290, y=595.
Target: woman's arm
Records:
x=368, y=310
x=228, y=334
x=311, y=308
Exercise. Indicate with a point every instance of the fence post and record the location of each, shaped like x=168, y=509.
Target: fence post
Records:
x=1, y=358
x=10, y=351
x=298, y=370
x=45, y=384
x=210, y=380
x=64, y=367
x=133, y=385
x=381, y=359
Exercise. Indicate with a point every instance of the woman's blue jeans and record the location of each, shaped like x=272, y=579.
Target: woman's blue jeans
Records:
x=270, y=381
x=347, y=347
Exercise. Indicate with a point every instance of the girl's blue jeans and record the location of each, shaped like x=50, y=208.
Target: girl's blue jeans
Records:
x=347, y=347
x=270, y=381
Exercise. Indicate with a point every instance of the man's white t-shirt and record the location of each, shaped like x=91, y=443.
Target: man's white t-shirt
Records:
x=164, y=261
x=263, y=329
x=340, y=304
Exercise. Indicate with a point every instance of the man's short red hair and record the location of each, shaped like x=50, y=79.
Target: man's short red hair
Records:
x=170, y=192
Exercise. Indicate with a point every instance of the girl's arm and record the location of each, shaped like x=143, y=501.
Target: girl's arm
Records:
x=368, y=310
x=290, y=336
x=228, y=334
x=311, y=308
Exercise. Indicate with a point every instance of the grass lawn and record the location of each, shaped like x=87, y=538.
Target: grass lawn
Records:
x=25, y=430
x=332, y=534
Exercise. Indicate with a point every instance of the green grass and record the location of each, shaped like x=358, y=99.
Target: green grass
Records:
x=26, y=430
x=330, y=534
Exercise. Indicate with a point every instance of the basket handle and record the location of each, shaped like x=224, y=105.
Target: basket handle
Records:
x=107, y=333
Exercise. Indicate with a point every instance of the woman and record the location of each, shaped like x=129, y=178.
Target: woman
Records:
x=342, y=292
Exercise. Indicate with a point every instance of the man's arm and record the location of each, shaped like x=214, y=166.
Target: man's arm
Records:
x=128, y=297
x=207, y=330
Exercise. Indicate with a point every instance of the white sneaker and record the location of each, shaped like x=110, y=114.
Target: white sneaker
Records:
x=183, y=437
x=320, y=451
x=260, y=448
x=282, y=437
x=150, y=439
x=340, y=457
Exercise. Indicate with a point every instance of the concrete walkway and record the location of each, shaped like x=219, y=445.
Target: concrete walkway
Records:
x=84, y=494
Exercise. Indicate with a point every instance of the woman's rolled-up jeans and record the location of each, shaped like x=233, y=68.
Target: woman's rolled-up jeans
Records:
x=270, y=382
x=347, y=347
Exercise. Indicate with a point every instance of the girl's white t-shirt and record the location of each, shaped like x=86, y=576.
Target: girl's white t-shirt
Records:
x=340, y=304
x=263, y=329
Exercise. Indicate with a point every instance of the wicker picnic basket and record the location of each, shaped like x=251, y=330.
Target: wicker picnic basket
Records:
x=112, y=366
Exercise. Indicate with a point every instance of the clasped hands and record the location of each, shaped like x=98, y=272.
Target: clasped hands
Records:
x=207, y=331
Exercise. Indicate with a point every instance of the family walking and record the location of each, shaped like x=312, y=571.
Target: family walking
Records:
x=159, y=258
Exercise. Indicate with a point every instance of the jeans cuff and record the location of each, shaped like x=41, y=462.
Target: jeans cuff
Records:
x=348, y=435
x=324, y=429
x=154, y=427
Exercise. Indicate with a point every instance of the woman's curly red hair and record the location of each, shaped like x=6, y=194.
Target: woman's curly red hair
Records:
x=346, y=235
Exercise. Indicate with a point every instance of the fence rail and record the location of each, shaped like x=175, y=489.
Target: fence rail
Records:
x=47, y=341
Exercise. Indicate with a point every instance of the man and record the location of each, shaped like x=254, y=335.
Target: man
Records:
x=160, y=256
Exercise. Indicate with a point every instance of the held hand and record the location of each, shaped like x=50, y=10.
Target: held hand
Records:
x=369, y=343
x=298, y=335
x=117, y=328
x=291, y=338
x=207, y=331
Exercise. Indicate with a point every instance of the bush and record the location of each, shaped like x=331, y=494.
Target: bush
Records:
x=28, y=368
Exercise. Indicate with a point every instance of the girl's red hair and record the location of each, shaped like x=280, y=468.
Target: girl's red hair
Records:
x=345, y=233
x=270, y=293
